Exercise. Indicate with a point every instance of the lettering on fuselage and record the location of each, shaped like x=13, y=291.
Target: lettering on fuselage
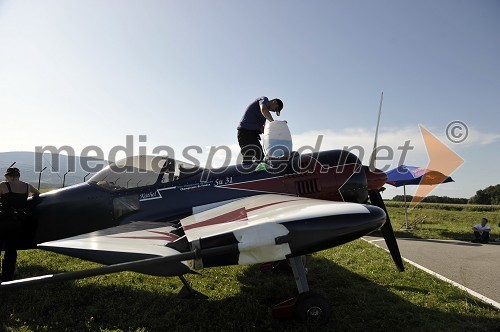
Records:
x=195, y=186
x=149, y=195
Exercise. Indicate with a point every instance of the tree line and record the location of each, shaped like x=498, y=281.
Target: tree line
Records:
x=487, y=196
x=433, y=199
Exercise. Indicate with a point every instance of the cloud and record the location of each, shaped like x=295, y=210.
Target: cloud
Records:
x=403, y=145
x=393, y=138
x=476, y=137
x=357, y=140
x=395, y=145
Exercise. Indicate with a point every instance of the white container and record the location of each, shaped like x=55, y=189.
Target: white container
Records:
x=277, y=140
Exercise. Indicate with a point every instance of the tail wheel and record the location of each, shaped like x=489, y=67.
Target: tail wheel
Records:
x=312, y=308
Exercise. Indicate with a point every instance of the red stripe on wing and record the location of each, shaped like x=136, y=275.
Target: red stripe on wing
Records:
x=165, y=236
x=232, y=216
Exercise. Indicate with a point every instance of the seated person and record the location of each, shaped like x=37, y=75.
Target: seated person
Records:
x=498, y=240
x=482, y=232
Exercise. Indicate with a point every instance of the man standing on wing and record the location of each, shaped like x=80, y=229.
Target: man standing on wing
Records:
x=252, y=125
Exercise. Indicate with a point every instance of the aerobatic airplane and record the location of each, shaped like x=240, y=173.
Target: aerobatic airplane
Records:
x=158, y=216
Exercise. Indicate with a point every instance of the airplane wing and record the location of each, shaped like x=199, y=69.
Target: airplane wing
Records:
x=131, y=242
x=250, y=230
x=271, y=227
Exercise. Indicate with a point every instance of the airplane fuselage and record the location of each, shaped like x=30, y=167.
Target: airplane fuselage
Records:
x=331, y=175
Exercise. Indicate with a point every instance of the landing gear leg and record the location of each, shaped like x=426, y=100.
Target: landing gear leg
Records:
x=187, y=292
x=308, y=307
x=299, y=273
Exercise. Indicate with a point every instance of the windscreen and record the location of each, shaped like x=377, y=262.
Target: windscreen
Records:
x=141, y=171
x=132, y=172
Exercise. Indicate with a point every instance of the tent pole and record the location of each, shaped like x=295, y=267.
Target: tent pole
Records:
x=406, y=208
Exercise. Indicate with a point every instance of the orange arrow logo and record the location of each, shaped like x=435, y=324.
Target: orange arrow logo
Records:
x=441, y=159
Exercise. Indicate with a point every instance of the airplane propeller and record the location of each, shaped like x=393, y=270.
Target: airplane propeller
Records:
x=387, y=231
x=376, y=199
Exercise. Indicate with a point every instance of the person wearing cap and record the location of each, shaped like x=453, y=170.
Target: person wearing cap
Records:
x=13, y=195
x=252, y=125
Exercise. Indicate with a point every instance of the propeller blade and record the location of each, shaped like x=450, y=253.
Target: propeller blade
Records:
x=387, y=231
x=374, y=152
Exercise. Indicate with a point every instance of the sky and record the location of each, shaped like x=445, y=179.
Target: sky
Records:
x=138, y=76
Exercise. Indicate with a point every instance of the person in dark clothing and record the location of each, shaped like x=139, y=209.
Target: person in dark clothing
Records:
x=252, y=125
x=14, y=194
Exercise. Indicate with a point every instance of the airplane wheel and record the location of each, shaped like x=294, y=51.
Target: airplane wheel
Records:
x=312, y=308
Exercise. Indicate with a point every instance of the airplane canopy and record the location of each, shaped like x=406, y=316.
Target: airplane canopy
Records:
x=141, y=171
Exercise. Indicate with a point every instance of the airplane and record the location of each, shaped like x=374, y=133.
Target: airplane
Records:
x=163, y=217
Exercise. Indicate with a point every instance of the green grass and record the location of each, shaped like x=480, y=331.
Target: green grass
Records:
x=443, y=221
x=359, y=280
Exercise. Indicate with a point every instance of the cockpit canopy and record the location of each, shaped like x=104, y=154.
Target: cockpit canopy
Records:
x=141, y=171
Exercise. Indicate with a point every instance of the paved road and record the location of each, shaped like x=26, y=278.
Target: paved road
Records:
x=474, y=266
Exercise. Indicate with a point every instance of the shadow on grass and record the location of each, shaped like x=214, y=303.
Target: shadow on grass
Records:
x=416, y=234
x=444, y=234
x=357, y=304
x=457, y=236
x=399, y=234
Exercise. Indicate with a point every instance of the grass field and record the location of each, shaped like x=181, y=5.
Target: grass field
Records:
x=443, y=221
x=359, y=280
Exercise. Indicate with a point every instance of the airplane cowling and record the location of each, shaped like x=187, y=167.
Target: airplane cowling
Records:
x=336, y=175
x=331, y=231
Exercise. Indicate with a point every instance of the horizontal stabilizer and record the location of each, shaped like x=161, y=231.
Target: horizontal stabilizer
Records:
x=115, y=268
